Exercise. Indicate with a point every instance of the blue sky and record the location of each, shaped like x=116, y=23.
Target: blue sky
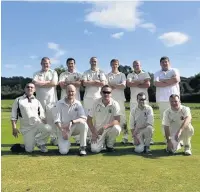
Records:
x=128, y=31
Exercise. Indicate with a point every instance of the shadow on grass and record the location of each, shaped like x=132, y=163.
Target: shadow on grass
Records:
x=120, y=150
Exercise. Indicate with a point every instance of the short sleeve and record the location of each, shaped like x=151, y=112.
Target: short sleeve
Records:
x=56, y=113
x=55, y=77
x=156, y=76
x=123, y=79
x=35, y=76
x=116, y=109
x=147, y=76
x=62, y=77
x=84, y=76
x=91, y=112
x=150, y=116
x=129, y=77
x=103, y=77
x=14, y=110
x=81, y=112
x=176, y=72
x=166, y=120
x=187, y=112
x=42, y=113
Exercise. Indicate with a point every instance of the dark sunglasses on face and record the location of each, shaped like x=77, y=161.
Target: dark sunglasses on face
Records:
x=106, y=92
x=142, y=99
x=29, y=87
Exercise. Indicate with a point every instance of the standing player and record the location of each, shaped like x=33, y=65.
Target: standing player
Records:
x=177, y=125
x=138, y=81
x=70, y=76
x=93, y=80
x=117, y=81
x=166, y=81
x=45, y=82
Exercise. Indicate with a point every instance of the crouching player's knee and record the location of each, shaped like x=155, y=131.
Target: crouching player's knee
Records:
x=64, y=148
x=116, y=129
x=95, y=148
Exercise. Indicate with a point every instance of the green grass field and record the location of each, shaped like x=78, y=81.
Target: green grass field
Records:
x=120, y=171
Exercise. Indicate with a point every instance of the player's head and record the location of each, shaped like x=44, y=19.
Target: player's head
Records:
x=175, y=102
x=114, y=63
x=165, y=63
x=136, y=66
x=106, y=91
x=141, y=98
x=45, y=62
x=71, y=91
x=29, y=89
x=70, y=64
x=93, y=62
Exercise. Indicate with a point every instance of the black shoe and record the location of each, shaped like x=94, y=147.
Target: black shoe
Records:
x=110, y=149
x=147, y=150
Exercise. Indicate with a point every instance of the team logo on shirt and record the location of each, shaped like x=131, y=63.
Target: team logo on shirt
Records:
x=76, y=109
x=182, y=118
x=145, y=114
x=110, y=110
x=98, y=108
x=75, y=77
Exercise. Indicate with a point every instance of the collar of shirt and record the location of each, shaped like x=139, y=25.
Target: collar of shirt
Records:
x=68, y=72
x=138, y=73
x=29, y=98
x=97, y=70
x=41, y=72
x=110, y=103
x=115, y=73
x=64, y=102
x=180, y=109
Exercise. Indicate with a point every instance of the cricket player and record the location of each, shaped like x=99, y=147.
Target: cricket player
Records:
x=31, y=115
x=45, y=82
x=166, y=81
x=70, y=119
x=138, y=81
x=93, y=80
x=70, y=76
x=104, y=121
x=177, y=125
x=141, y=124
x=117, y=81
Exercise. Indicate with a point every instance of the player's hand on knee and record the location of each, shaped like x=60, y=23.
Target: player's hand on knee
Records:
x=170, y=146
x=65, y=134
x=94, y=138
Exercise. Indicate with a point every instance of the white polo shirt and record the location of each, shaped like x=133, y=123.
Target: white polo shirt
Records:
x=139, y=118
x=63, y=113
x=102, y=114
x=46, y=95
x=29, y=112
x=118, y=78
x=93, y=91
x=163, y=93
x=135, y=90
x=174, y=119
x=70, y=77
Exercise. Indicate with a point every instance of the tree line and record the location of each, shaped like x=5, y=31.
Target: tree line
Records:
x=12, y=87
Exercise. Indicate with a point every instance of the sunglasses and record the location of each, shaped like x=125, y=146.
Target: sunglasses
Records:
x=142, y=99
x=106, y=92
x=29, y=87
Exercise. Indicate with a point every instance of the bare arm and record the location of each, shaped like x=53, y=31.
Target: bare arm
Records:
x=167, y=133
x=116, y=121
x=91, y=126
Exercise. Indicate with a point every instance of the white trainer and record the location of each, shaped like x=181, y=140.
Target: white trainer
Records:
x=188, y=152
x=82, y=151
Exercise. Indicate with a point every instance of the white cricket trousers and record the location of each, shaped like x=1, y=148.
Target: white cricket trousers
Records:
x=162, y=107
x=76, y=129
x=108, y=137
x=144, y=135
x=37, y=135
x=185, y=137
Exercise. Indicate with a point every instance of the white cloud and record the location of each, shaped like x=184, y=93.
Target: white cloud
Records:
x=53, y=46
x=58, y=52
x=86, y=32
x=122, y=15
x=149, y=26
x=10, y=66
x=173, y=38
x=27, y=66
x=117, y=35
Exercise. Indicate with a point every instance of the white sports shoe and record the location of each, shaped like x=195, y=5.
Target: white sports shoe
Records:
x=82, y=151
x=188, y=152
x=42, y=148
